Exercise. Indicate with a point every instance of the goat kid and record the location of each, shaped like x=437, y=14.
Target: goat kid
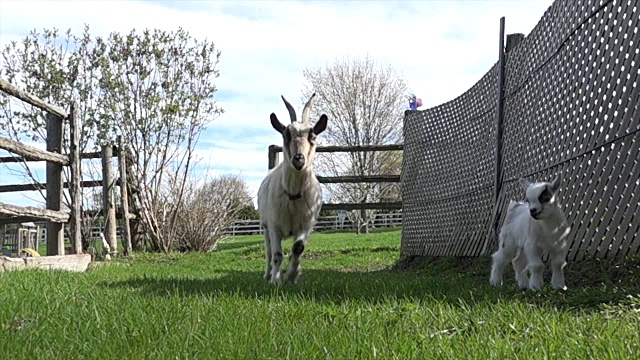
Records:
x=531, y=230
x=290, y=197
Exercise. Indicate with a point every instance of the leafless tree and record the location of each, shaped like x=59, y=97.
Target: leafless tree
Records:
x=208, y=210
x=365, y=103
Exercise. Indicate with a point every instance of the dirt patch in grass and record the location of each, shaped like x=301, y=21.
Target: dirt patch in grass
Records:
x=368, y=268
x=316, y=255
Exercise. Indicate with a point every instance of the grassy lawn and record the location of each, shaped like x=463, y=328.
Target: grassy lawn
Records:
x=350, y=304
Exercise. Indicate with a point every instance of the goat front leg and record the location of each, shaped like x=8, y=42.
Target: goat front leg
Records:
x=267, y=252
x=276, y=256
x=534, y=265
x=295, y=267
x=557, y=267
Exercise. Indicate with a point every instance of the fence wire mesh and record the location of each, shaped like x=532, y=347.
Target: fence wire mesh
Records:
x=571, y=107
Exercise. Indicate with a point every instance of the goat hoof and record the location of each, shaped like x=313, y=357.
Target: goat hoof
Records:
x=293, y=277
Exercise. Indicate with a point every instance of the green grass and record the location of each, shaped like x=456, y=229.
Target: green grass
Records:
x=350, y=304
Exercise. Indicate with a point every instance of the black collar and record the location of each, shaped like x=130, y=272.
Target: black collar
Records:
x=293, y=197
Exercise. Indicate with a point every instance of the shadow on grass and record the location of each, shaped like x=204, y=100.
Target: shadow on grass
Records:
x=335, y=287
x=235, y=244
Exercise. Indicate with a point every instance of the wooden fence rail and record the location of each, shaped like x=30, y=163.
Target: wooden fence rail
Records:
x=30, y=158
x=33, y=152
x=33, y=100
x=43, y=186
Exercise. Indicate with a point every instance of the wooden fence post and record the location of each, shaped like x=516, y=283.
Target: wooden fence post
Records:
x=76, y=179
x=55, y=231
x=36, y=246
x=132, y=197
x=108, y=201
x=512, y=41
x=19, y=240
x=124, y=199
x=273, y=157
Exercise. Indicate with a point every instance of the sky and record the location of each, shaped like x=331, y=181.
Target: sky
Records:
x=441, y=48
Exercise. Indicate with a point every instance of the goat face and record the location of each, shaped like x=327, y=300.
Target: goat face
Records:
x=299, y=137
x=540, y=196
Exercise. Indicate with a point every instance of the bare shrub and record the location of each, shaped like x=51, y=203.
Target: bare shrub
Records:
x=209, y=209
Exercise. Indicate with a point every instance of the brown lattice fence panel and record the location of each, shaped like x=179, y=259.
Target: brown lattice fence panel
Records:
x=571, y=107
x=448, y=173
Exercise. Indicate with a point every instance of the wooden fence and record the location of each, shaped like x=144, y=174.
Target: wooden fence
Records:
x=52, y=214
x=55, y=161
x=274, y=151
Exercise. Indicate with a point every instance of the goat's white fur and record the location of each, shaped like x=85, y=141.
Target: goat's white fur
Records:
x=531, y=230
x=290, y=197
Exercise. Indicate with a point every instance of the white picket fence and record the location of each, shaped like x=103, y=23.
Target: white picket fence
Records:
x=252, y=227
x=324, y=223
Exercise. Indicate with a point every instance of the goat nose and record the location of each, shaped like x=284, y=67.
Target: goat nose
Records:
x=298, y=161
x=533, y=212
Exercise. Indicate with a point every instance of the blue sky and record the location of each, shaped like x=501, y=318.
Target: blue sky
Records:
x=441, y=47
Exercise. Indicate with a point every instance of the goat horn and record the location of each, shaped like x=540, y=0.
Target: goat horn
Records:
x=292, y=112
x=306, y=112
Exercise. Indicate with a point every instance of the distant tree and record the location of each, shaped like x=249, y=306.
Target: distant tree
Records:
x=248, y=212
x=365, y=103
x=154, y=88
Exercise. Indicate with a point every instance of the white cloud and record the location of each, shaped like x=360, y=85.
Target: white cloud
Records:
x=442, y=48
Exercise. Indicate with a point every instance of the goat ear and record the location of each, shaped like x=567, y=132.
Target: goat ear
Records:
x=276, y=123
x=321, y=125
x=524, y=184
x=555, y=184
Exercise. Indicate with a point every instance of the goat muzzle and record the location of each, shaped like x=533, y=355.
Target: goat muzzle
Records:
x=298, y=161
x=534, y=213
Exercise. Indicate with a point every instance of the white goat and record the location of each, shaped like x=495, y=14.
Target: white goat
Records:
x=530, y=231
x=290, y=197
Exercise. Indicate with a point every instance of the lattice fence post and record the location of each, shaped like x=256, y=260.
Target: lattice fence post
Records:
x=497, y=187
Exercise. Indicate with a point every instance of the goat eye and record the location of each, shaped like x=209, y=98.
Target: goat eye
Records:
x=545, y=196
